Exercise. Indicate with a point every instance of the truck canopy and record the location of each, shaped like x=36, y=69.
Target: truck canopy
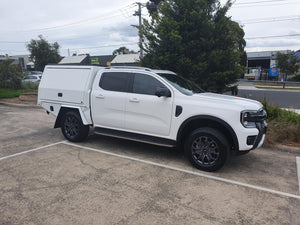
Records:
x=67, y=84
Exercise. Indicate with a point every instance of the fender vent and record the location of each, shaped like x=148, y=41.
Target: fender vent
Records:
x=178, y=110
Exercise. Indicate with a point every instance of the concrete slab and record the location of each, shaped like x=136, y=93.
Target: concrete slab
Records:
x=69, y=185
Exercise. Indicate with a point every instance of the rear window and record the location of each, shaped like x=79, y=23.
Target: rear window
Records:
x=115, y=81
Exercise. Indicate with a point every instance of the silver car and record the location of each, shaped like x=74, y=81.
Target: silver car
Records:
x=32, y=78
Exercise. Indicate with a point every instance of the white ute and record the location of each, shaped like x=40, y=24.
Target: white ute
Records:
x=151, y=106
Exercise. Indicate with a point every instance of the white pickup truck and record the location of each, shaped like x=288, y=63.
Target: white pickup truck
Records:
x=151, y=106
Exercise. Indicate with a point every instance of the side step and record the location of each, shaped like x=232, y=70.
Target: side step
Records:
x=136, y=137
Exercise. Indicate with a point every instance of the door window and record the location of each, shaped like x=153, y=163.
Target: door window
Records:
x=145, y=84
x=115, y=81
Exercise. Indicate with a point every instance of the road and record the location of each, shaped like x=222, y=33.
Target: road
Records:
x=47, y=180
x=284, y=98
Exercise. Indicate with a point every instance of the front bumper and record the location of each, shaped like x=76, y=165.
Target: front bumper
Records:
x=262, y=130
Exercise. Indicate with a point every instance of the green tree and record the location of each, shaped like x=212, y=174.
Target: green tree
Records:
x=43, y=53
x=122, y=51
x=152, y=6
x=10, y=75
x=196, y=39
x=287, y=63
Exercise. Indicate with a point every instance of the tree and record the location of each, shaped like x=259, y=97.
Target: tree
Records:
x=197, y=40
x=287, y=63
x=152, y=6
x=43, y=53
x=10, y=75
x=123, y=51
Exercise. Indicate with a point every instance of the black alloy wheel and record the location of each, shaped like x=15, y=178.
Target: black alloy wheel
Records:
x=72, y=127
x=207, y=149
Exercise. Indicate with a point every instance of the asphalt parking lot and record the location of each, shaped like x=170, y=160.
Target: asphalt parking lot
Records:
x=47, y=180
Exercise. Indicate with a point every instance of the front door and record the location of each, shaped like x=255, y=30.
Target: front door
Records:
x=145, y=112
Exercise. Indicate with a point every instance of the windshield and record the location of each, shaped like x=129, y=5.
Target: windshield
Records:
x=184, y=86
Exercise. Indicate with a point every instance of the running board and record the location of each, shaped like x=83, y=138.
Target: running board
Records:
x=135, y=137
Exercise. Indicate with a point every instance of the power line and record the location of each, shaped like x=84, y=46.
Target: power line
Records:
x=80, y=48
x=258, y=4
x=275, y=36
x=109, y=15
x=13, y=42
x=267, y=20
x=103, y=46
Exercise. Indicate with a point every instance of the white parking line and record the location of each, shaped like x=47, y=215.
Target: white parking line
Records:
x=32, y=150
x=298, y=170
x=285, y=194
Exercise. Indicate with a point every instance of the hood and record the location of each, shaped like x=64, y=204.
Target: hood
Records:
x=228, y=100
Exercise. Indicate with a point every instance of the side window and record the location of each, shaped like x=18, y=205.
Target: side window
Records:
x=145, y=84
x=115, y=81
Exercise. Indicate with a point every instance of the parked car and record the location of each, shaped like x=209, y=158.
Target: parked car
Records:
x=32, y=78
x=152, y=106
x=35, y=73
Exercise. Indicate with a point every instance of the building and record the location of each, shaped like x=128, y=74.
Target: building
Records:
x=265, y=60
x=263, y=64
x=126, y=60
x=102, y=60
x=77, y=59
x=21, y=60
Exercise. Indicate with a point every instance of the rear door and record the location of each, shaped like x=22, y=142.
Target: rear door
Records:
x=108, y=97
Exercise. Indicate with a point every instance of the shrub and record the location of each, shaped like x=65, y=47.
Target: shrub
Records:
x=280, y=115
x=295, y=78
x=10, y=75
x=30, y=85
x=283, y=126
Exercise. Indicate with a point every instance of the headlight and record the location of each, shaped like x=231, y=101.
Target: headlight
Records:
x=249, y=118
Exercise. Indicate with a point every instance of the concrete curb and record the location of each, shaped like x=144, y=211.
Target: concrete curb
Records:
x=284, y=148
x=20, y=105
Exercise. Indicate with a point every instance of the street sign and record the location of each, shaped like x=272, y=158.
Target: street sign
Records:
x=273, y=72
x=94, y=60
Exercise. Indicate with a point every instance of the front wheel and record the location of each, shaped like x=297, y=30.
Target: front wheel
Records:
x=207, y=149
x=72, y=127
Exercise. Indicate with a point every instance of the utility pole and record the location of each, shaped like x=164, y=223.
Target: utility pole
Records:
x=139, y=14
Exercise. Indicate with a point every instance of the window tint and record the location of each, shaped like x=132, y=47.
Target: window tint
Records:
x=115, y=81
x=144, y=84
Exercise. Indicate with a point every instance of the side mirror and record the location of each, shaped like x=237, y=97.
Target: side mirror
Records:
x=163, y=92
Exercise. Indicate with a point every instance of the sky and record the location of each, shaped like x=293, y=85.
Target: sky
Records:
x=98, y=27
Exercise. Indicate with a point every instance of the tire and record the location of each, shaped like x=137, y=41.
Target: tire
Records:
x=207, y=149
x=72, y=127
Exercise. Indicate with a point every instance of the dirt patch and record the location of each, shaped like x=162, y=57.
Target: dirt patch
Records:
x=28, y=98
x=287, y=134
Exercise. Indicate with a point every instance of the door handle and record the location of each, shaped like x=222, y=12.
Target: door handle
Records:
x=134, y=100
x=100, y=96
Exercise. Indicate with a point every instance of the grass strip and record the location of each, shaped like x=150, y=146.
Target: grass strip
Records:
x=10, y=93
x=277, y=88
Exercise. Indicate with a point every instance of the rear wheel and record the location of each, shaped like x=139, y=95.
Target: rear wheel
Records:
x=207, y=149
x=72, y=127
